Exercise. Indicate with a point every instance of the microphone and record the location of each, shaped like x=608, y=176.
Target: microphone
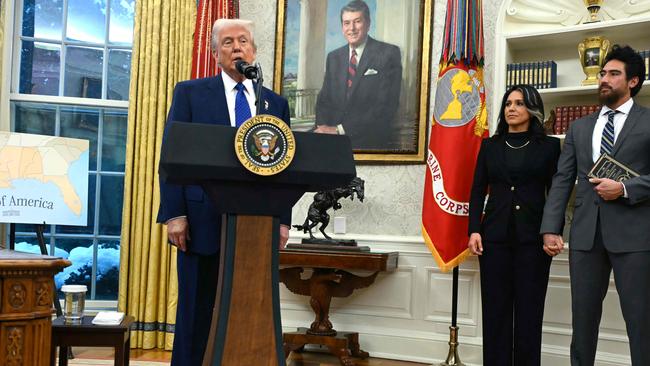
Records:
x=244, y=68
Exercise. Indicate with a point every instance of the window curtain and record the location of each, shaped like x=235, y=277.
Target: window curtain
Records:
x=162, y=41
x=165, y=33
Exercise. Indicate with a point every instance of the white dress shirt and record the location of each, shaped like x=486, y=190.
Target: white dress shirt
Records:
x=619, y=121
x=231, y=94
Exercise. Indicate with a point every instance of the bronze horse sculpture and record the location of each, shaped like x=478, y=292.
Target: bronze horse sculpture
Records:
x=324, y=200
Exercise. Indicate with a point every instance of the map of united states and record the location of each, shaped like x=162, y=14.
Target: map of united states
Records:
x=44, y=159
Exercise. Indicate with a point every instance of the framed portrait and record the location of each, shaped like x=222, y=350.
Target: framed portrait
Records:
x=359, y=68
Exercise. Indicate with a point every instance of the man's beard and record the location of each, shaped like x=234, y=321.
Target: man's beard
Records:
x=610, y=98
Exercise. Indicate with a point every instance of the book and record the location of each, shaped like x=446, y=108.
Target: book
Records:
x=108, y=318
x=608, y=167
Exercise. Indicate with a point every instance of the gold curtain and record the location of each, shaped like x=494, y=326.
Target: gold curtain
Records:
x=162, y=52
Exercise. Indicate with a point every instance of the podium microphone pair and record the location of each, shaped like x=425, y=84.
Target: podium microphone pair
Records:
x=246, y=69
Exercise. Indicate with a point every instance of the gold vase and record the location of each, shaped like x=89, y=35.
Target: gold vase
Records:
x=592, y=51
x=593, y=6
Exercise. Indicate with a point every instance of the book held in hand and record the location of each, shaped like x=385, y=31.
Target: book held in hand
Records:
x=608, y=167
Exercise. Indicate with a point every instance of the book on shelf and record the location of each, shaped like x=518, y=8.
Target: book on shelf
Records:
x=562, y=116
x=540, y=74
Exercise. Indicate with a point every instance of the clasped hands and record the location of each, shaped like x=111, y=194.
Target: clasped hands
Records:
x=553, y=244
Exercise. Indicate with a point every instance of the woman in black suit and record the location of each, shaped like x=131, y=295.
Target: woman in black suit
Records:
x=516, y=167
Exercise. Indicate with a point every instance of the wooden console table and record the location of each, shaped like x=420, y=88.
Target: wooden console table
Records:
x=329, y=279
x=26, y=302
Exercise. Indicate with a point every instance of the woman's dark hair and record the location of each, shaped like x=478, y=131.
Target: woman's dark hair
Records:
x=535, y=106
x=634, y=65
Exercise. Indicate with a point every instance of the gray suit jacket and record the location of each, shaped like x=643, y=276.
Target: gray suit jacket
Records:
x=625, y=222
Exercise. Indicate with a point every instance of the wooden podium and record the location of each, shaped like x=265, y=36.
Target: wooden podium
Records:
x=246, y=328
x=26, y=306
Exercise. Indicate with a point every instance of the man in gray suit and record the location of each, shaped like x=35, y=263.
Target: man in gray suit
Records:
x=610, y=228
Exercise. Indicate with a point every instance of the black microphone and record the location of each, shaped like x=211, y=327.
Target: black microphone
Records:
x=244, y=68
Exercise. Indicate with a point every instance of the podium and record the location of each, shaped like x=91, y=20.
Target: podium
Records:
x=246, y=327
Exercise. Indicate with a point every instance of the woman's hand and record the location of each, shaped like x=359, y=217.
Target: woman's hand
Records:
x=475, y=245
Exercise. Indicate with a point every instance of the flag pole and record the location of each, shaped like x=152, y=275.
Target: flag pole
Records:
x=452, y=357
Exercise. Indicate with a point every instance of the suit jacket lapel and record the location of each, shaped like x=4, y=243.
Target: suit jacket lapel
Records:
x=630, y=122
x=588, y=137
x=501, y=158
x=368, y=54
x=219, y=106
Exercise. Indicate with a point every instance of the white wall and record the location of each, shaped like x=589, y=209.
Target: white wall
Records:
x=405, y=315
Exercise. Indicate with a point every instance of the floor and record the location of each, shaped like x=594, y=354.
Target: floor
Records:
x=304, y=359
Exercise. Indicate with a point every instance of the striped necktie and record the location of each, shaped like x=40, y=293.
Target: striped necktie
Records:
x=352, y=70
x=242, y=109
x=607, y=141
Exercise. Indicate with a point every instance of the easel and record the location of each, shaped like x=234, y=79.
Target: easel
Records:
x=39, y=229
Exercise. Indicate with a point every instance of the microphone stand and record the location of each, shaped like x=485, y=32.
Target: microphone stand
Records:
x=258, y=89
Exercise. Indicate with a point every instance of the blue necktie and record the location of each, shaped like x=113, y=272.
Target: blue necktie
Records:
x=242, y=109
x=607, y=141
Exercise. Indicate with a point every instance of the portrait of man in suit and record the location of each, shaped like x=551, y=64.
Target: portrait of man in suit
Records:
x=193, y=223
x=361, y=87
x=610, y=230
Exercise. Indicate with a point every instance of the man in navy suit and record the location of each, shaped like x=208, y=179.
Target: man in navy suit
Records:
x=193, y=224
x=361, y=89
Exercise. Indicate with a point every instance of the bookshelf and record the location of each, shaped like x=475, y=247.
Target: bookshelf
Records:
x=529, y=32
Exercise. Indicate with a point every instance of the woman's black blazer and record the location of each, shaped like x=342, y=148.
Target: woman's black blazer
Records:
x=521, y=201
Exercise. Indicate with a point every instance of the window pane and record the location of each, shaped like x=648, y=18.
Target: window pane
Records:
x=82, y=123
x=30, y=229
x=110, y=205
x=114, y=140
x=90, y=227
x=108, y=270
x=34, y=118
x=119, y=71
x=80, y=253
x=121, y=26
x=86, y=21
x=83, y=72
x=42, y=18
x=39, y=68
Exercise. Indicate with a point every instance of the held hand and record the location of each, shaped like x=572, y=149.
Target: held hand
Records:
x=178, y=232
x=284, y=236
x=607, y=189
x=475, y=244
x=326, y=129
x=553, y=244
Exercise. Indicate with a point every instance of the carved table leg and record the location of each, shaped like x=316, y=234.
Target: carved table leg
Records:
x=353, y=341
x=343, y=354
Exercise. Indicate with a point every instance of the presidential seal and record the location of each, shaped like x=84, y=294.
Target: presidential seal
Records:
x=265, y=145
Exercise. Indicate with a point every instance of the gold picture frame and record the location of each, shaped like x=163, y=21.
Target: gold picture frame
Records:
x=300, y=70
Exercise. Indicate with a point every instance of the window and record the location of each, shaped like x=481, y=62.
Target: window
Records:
x=71, y=70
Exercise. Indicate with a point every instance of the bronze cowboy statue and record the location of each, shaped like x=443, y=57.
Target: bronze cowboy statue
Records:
x=323, y=201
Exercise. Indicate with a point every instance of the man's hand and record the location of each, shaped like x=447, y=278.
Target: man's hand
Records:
x=284, y=235
x=332, y=130
x=553, y=244
x=475, y=244
x=607, y=189
x=178, y=232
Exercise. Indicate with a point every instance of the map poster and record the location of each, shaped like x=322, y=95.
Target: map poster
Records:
x=43, y=179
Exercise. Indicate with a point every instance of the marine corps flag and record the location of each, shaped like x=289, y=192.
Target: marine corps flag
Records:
x=458, y=125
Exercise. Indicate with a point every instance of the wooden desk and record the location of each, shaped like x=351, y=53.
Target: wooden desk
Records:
x=27, y=285
x=90, y=335
x=329, y=279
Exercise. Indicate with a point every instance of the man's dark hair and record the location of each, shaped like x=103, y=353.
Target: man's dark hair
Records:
x=354, y=6
x=634, y=65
